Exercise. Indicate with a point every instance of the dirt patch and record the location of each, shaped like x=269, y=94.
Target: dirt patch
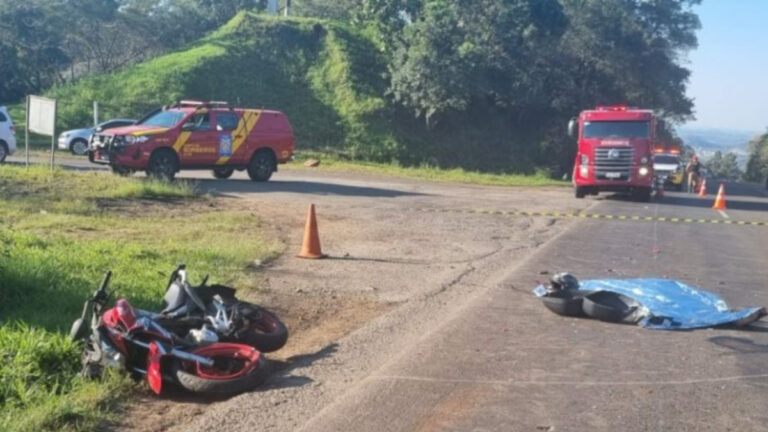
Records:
x=315, y=320
x=167, y=207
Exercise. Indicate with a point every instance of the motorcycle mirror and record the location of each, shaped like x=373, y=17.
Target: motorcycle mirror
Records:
x=78, y=330
x=205, y=280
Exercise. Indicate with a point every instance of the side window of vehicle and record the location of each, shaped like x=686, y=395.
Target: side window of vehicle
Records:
x=3, y=118
x=198, y=122
x=226, y=121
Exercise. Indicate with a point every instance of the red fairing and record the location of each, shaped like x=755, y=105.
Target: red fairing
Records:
x=248, y=355
x=122, y=313
x=154, y=376
x=125, y=313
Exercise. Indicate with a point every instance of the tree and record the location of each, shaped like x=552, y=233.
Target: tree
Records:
x=724, y=166
x=757, y=164
x=30, y=37
x=458, y=53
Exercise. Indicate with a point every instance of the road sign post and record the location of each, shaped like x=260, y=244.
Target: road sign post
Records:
x=41, y=119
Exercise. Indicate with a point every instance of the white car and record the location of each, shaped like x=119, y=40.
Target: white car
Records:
x=7, y=134
x=76, y=140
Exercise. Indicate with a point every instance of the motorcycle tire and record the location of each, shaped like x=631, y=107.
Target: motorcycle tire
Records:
x=226, y=386
x=608, y=306
x=263, y=329
x=565, y=306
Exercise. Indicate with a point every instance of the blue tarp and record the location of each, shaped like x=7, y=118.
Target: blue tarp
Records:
x=669, y=304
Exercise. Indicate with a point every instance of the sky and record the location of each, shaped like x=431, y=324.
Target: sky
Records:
x=729, y=80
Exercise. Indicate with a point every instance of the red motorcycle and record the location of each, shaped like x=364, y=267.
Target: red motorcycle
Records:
x=137, y=341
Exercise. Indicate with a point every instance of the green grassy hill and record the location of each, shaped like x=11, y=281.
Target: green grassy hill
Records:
x=326, y=77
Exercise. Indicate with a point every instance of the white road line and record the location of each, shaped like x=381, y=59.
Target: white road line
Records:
x=723, y=214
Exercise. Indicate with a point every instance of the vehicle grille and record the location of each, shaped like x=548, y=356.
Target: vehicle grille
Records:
x=101, y=140
x=614, y=163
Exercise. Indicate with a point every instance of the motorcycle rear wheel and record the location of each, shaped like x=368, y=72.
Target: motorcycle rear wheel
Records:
x=263, y=329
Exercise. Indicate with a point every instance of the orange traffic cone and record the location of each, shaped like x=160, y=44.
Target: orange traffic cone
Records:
x=720, y=200
x=310, y=246
x=703, y=188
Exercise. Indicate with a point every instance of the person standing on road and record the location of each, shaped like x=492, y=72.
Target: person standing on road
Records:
x=693, y=170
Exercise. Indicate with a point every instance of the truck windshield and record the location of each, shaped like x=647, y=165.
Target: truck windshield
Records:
x=617, y=129
x=164, y=119
x=665, y=159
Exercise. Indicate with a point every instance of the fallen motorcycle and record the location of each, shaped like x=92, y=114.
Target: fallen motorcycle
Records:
x=216, y=310
x=136, y=340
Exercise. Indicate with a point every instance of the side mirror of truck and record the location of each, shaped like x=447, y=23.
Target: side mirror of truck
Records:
x=573, y=128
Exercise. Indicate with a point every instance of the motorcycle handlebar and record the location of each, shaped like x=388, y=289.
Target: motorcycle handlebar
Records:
x=105, y=281
x=101, y=292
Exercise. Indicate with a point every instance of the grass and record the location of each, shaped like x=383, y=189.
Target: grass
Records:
x=58, y=233
x=331, y=162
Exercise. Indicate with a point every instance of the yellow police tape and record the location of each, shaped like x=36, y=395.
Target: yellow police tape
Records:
x=583, y=215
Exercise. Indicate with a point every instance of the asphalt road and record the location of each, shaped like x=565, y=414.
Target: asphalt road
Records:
x=505, y=363
x=502, y=362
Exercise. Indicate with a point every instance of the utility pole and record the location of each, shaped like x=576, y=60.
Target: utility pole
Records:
x=287, y=7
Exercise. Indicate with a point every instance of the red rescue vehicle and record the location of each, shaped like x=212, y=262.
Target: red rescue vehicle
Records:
x=198, y=135
x=614, y=153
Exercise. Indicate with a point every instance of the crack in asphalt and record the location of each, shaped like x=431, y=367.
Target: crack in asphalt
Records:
x=511, y=382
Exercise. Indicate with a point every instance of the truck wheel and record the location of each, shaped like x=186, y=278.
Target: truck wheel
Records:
x=163, y=165
x=580, y=192
x=642, y=195
x=262, y=166
x=223, y=173
x=79, y=147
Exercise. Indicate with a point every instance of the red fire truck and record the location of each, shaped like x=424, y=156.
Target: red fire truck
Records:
x=615, y=145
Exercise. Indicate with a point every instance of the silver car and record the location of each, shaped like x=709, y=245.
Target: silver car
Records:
x=7, y=134
x=76, y=140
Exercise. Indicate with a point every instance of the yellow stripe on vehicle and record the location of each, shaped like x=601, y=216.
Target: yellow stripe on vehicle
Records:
x=150, y=132
x=181, y=140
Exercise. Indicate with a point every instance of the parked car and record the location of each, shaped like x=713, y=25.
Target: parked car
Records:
x=7, y=134
x=76, y=140
x=198, y=135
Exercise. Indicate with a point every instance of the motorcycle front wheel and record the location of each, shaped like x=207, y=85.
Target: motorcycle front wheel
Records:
x=237, y=368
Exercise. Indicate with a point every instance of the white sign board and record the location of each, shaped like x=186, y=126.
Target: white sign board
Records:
x=41, y=117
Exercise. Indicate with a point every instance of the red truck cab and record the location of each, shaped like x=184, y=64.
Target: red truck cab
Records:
x=615, y=146
x=198, y=135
